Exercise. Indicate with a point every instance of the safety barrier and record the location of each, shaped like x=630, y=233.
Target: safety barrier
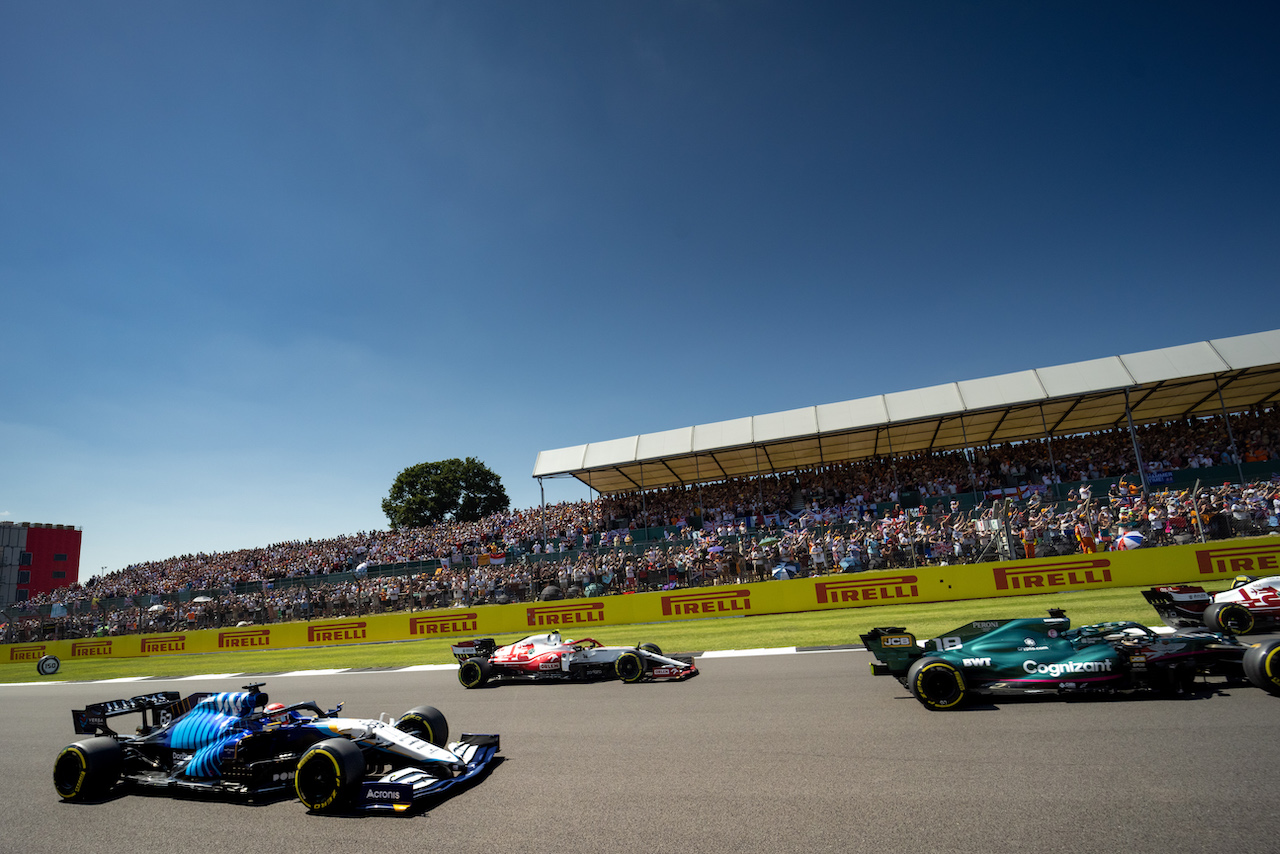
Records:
x=1209, y=563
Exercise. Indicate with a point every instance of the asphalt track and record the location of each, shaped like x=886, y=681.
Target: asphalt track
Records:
x=803, y=753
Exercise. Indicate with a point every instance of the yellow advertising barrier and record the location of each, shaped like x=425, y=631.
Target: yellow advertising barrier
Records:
x=577, y=617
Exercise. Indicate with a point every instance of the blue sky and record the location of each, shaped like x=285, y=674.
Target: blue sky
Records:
x=256, y=258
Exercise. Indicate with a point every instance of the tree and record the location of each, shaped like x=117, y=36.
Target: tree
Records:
x=445, y=491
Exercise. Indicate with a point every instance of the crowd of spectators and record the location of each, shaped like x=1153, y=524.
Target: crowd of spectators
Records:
x=842, y=517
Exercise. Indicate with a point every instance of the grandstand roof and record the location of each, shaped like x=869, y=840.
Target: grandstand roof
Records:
x=1162, y=385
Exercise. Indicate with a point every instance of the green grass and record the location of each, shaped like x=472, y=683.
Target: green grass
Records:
x=815, y=628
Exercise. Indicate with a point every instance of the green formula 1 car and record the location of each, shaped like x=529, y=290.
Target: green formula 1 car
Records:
x=1046, y=656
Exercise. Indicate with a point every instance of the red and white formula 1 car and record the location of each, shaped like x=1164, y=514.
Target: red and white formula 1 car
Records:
x=1251, y=605
x=551, y=658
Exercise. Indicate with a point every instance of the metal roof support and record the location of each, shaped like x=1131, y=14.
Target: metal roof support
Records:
x=1066, y=414
x=644, y=499
x=594, y=507
x=543, y=492
x=697, y=475
x=897, y=485
x=1230, y=434
x=1052, y=465
x=1137, y=452
x=822, y=464
x=968, y=454
x=759, y=488
x=998, y=425
x=768, y=459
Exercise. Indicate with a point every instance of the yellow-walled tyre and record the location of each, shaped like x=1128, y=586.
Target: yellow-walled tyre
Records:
x=475, y=672
x=1229, y=617
x=87, y=770
x=427, y=723
x=937, y=684
x=329, y=775
x=629, y=667
x=1262, y=666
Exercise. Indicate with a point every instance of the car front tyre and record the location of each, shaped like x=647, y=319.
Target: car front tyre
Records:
x=937, y=684
x=88, y=769
x=1262, y=666
x=629, y=666
x=427, y=723
x=328, y=775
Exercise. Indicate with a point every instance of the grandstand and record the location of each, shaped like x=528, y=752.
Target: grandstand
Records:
x=1190, y=381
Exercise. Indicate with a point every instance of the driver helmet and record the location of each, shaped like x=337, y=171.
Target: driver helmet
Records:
x=276, y=712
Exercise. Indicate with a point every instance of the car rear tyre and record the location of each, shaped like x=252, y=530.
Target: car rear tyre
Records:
x=937, y=684
x=88, y=769
x=1262, y=666
x=475, y=672
x=651, y=647
x=427, y=723
x=1229, y=617
x=629, y=667
x=329, y=775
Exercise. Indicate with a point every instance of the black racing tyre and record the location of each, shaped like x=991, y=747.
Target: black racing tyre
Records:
x=427, y=723
x=88, y=769
x=629, y=666
x=48, y=665
x=650, y=647
x=1262, y=665
x=1230, y=617
x=475, y=672
x=937, y=683
x=329, y=774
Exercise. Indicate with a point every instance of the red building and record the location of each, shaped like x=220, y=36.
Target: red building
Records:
x=36, y=558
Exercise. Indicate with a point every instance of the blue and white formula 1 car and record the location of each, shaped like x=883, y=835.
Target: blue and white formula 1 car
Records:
x=237, y=743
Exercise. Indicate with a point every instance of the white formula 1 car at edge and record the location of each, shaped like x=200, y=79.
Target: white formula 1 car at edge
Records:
x=551, y=658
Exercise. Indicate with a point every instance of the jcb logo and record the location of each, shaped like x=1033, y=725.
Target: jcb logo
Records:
x=897, y=641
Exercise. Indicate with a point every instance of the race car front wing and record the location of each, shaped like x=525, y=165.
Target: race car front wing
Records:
x=400, y=789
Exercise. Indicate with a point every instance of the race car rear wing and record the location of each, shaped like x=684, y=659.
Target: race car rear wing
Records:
x=478, y=647
x=164, y=707
x=894, y=647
